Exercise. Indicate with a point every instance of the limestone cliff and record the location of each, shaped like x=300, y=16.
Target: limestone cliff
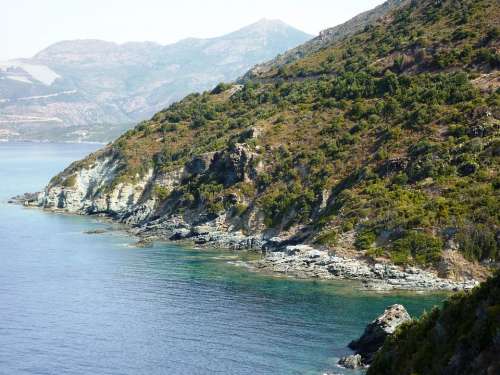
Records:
x=93, y=187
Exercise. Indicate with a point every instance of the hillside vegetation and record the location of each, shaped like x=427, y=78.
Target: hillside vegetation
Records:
x=391, y=134
x=461, y=338
x=325, y=37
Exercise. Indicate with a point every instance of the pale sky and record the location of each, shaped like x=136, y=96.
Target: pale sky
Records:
x=27, y=26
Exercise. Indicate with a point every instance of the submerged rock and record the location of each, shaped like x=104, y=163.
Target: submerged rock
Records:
x=144, y=242
x=374, y=336
x=180, y=234
x=95, y=231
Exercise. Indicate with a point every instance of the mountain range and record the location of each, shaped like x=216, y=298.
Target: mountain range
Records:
x=93, y=89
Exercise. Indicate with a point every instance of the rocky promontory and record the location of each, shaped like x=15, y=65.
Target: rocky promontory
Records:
x=460, y=338
x=374, y=336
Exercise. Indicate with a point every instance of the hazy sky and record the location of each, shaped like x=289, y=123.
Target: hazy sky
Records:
x=27, y=26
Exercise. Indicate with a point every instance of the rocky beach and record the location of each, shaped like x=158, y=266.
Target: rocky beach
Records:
x=279, y=257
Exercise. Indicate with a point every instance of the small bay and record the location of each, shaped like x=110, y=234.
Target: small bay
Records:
x=77, y=303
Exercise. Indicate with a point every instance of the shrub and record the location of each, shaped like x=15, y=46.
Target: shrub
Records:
x=221, y=87
x=375, y=252
x=161, y=192
x=347, y=226
x=400, y=179
x=240, y=209
x=69, y=181
x=365, y=239
x=328, y=238
x=425, y=249
x=467, y=168
x=479, y=242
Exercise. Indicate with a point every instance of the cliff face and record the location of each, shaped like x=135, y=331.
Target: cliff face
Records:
x=82, y=192
x=152, y=203
x=94, y=187
x=381, y=147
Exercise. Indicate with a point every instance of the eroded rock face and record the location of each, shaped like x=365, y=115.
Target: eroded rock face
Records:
x=95, y=186
x=233, y=165
x=86, y=193
x=375, y=333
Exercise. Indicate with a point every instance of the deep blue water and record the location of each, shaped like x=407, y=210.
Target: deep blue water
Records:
x=73, y=303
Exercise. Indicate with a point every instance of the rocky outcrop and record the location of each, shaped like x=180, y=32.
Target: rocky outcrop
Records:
x=351, y=361
x=376, y=332
x=89, y=189
x=374, y=336
x=306, y=262
x=461, y=338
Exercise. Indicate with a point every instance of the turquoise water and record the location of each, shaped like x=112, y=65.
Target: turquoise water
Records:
x=73, y=303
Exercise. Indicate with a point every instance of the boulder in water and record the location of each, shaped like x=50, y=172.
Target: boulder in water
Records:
x=374, y=336
x=351, y=361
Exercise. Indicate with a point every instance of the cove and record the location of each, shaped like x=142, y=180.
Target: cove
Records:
x=75, y=303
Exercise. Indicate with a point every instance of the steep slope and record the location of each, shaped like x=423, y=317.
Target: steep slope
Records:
x=75, y=84
x=325, y=38
x=462, y=338
x=382, y=147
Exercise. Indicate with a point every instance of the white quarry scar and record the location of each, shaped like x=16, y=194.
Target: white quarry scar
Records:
x=48, y=95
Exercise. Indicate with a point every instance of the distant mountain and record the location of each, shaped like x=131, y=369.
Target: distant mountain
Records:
x=84, y=86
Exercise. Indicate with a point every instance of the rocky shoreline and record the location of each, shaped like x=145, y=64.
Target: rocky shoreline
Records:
x=304, y=261
x=284, y=258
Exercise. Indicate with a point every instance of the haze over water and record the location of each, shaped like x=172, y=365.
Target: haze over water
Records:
x=74, y=303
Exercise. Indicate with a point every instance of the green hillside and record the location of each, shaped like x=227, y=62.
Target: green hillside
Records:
x=392, y=132
x=461, y=338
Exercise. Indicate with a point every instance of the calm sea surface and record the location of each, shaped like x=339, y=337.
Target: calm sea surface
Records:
x=74, y=303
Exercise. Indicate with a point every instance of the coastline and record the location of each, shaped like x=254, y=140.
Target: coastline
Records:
x=280, y=257
x=46, y=141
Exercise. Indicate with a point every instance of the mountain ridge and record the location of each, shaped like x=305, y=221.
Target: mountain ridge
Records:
x=325, y=37
x=113, y=83
x=261, y=26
